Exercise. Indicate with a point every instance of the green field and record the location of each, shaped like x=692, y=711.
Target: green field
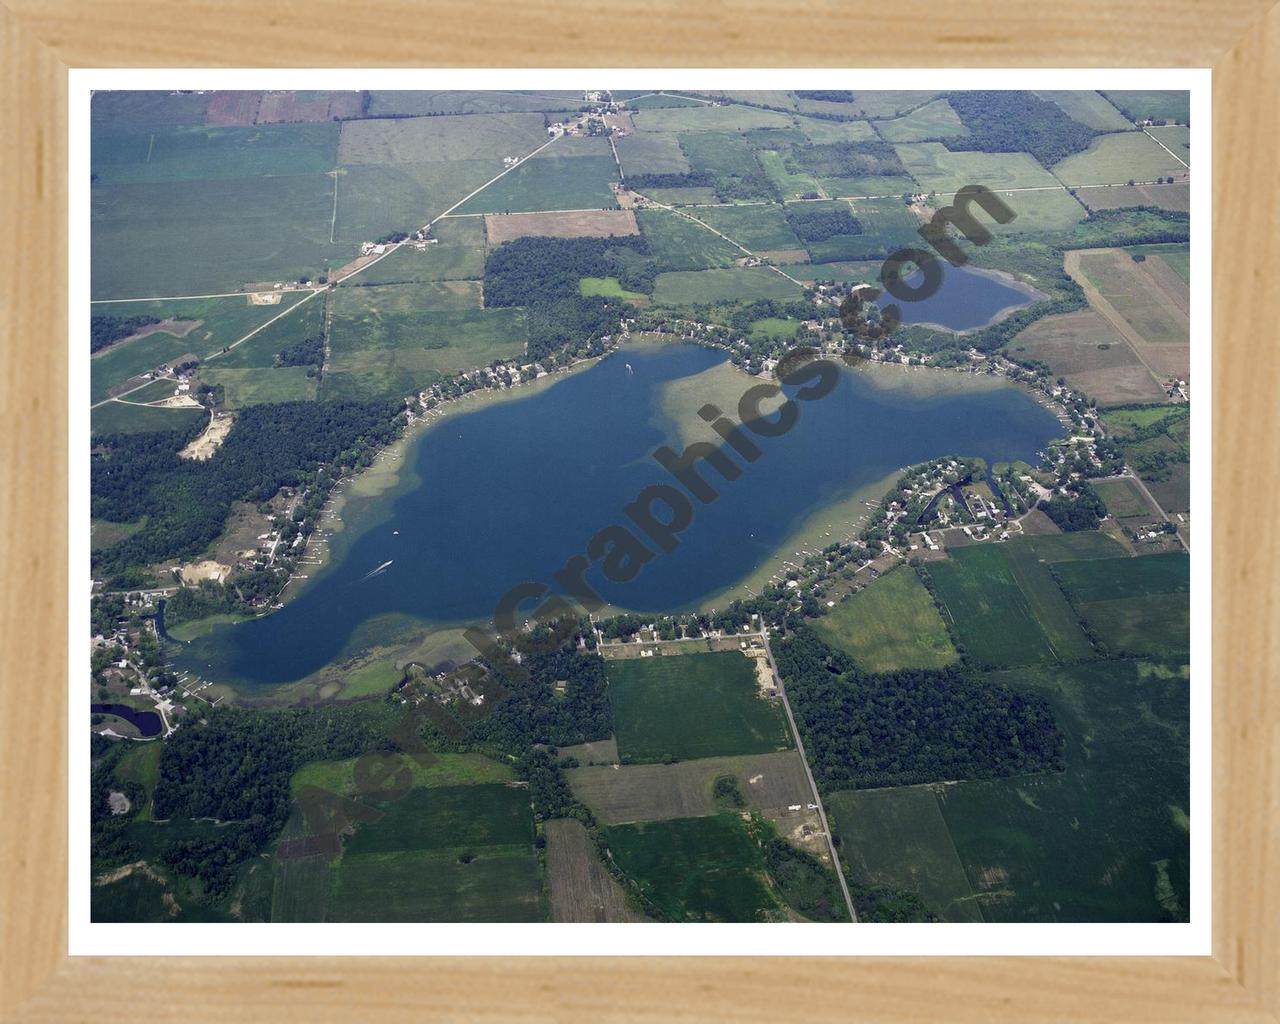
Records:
x=897, y=838
x=198, y=153
x=1156, y=105
x=550, y=183
x=411, y=297
x=722, y=155
x=497, y=884
x=457, y=255
x=448, y=816
x=821, y=132
x=1087, y=844
x=703, y=118
x=1137, y=606
x=263, y=347
x=770, y=783
x=1115, y=159
x=680, y=196
x=1089, y=108
x=692, y=705
x=740, y=284
x=376, y=199
x=677, y=243
x=1122, y=498
x=404, y=102
x=445, y=139
x=141, y=764
x=256, y=385
x=937, y=169
x=205, y=236
x=651, y=153
x=655, y=100
x=879, y=186
x=791, y=185
x=1036, y=212
x=607, y=286
x=1061, y=625
x=444, y=769
x=117, y=109
x=887, y=225
x=119, y=418
x=1175, y=137
x=392, y=354
x=992, y=617
x=694, y=869
x=1108, y=579
x=891, y=624
x=934, y=120
x=222, y=322
x=758, y=228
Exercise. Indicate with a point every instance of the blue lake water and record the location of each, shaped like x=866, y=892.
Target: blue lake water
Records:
x=966, y=299
x=506, y=493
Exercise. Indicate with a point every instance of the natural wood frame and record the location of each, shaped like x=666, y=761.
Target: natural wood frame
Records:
x=40, y=39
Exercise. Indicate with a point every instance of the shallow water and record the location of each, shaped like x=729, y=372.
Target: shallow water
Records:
x=506, y=493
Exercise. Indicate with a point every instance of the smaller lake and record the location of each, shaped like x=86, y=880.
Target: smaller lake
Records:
x=146, y=722
x=968, y=298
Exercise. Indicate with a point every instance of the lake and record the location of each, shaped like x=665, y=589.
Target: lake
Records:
x=146, y=722
x=967, y=299
x=508, y=491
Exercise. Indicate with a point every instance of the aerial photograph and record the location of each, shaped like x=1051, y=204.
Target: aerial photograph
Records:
x=630, y=506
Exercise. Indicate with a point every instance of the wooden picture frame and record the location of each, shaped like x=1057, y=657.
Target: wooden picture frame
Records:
x=42, y=39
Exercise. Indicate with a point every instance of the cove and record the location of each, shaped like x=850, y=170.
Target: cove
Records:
x=967, y=299
x=506, y=493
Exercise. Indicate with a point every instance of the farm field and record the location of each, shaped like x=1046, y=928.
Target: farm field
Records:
x=119, y=418
x=249, y=230
x=934, y=120
x=199, y=153
x=1137, y=606
x=255, y=385
x=821, y=132
x=887, y=225
x=457, y=255
x=442, y=769
x=1150, y=317
x=992, y=616
x=550, y=183
x=703, y=118
x=1175, y=137
x=576, y=224
x=681, y=196
x=1053, y=210
x=408, y=102
x=610, y=287
x=374, y=200
x=695, y=869
x=221, y=322
x=447, y=138
x=697, y=705
x=482, y=814
x=937, y=169
x=654, y=100
x=897, y=838
x=656, y=792
x=1107, y=839
x=1089, y=108
x=1175, y=197
x=393, y=354
x=1156, y=105
x=679, y=244
x=1083, y=347
x=497, y=884
x=651, y=153
x=120, y=109
x=1115, y=159
x=1122, y=498
x=579, y=887
x=758, y=228
x=416, y=297
x=891, y=624
x=1030, y=569
x=682, y=288
x=790, y=184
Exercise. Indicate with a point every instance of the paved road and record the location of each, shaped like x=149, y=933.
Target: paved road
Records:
x=822, y=814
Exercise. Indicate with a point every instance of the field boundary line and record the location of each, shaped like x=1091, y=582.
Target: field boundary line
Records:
x=1166, y=148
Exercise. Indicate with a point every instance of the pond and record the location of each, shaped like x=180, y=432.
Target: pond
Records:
x=507, y=492
x=967, y=299
x=146, y=722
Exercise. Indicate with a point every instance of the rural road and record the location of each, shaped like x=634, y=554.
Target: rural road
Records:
x=822, y=814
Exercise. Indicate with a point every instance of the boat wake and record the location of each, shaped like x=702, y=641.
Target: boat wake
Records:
x=377, y=572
